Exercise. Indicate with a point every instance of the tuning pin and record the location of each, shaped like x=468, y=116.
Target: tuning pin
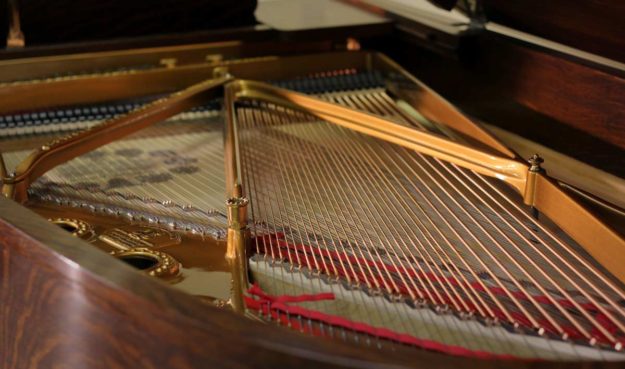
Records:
x=535, y=161
x=492, y=320
x=441, y=309
x=466, y=315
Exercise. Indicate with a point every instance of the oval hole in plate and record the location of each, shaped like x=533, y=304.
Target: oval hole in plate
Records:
x=141, y=262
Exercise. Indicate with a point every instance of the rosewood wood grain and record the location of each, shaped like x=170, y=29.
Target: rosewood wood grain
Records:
x=547, y=97
x=595, y=26
x=66, y=304
x=582, y=97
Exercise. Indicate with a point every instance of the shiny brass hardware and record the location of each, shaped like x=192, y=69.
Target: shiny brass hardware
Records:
x=220, y=72
x=530, y=187
x=76, y=227
x=15, y=37
x=352, y=44
x=169, y=62
x=214, y=58
x=8, y=188
x=237, y=223
x=236, y=249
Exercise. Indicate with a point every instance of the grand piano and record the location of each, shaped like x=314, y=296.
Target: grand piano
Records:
x=359, y=183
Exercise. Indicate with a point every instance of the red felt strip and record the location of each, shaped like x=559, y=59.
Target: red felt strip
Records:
x=274, y=305
x=311, y=257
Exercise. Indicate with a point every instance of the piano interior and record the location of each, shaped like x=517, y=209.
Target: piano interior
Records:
x=309, y=186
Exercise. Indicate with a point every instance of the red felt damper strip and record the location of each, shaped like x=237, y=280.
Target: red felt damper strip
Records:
x=277, y=247
x=267, y=304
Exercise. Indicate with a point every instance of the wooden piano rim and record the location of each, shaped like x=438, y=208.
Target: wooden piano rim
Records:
x=213, y=335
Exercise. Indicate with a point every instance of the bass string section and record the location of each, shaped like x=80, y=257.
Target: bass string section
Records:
x=171, y=173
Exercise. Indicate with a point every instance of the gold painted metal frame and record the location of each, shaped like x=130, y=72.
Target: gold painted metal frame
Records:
x=95, y=64
x=68, y=147
x=537, y=190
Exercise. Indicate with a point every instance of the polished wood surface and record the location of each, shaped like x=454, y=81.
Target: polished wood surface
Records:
x=566, y=104
x=67, y=304
x=595, y=26
x=577, y=95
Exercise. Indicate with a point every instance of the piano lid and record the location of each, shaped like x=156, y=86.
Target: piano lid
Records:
x=593, y=26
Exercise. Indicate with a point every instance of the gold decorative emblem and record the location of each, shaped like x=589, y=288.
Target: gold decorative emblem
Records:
x=152, y=262
x=133, y=236
x=76, y=227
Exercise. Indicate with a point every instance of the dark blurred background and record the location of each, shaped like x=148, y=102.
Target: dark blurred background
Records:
x=63, y=21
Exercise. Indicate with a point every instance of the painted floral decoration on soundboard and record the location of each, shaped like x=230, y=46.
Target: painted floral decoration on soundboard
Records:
x=134, y=166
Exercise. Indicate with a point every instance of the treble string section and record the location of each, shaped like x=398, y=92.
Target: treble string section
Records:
x=442, y=254
x=297, y=181
x=616, y=316
x=269, y=199
x=395, y=223
x=368, y=103
x=390, y=188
